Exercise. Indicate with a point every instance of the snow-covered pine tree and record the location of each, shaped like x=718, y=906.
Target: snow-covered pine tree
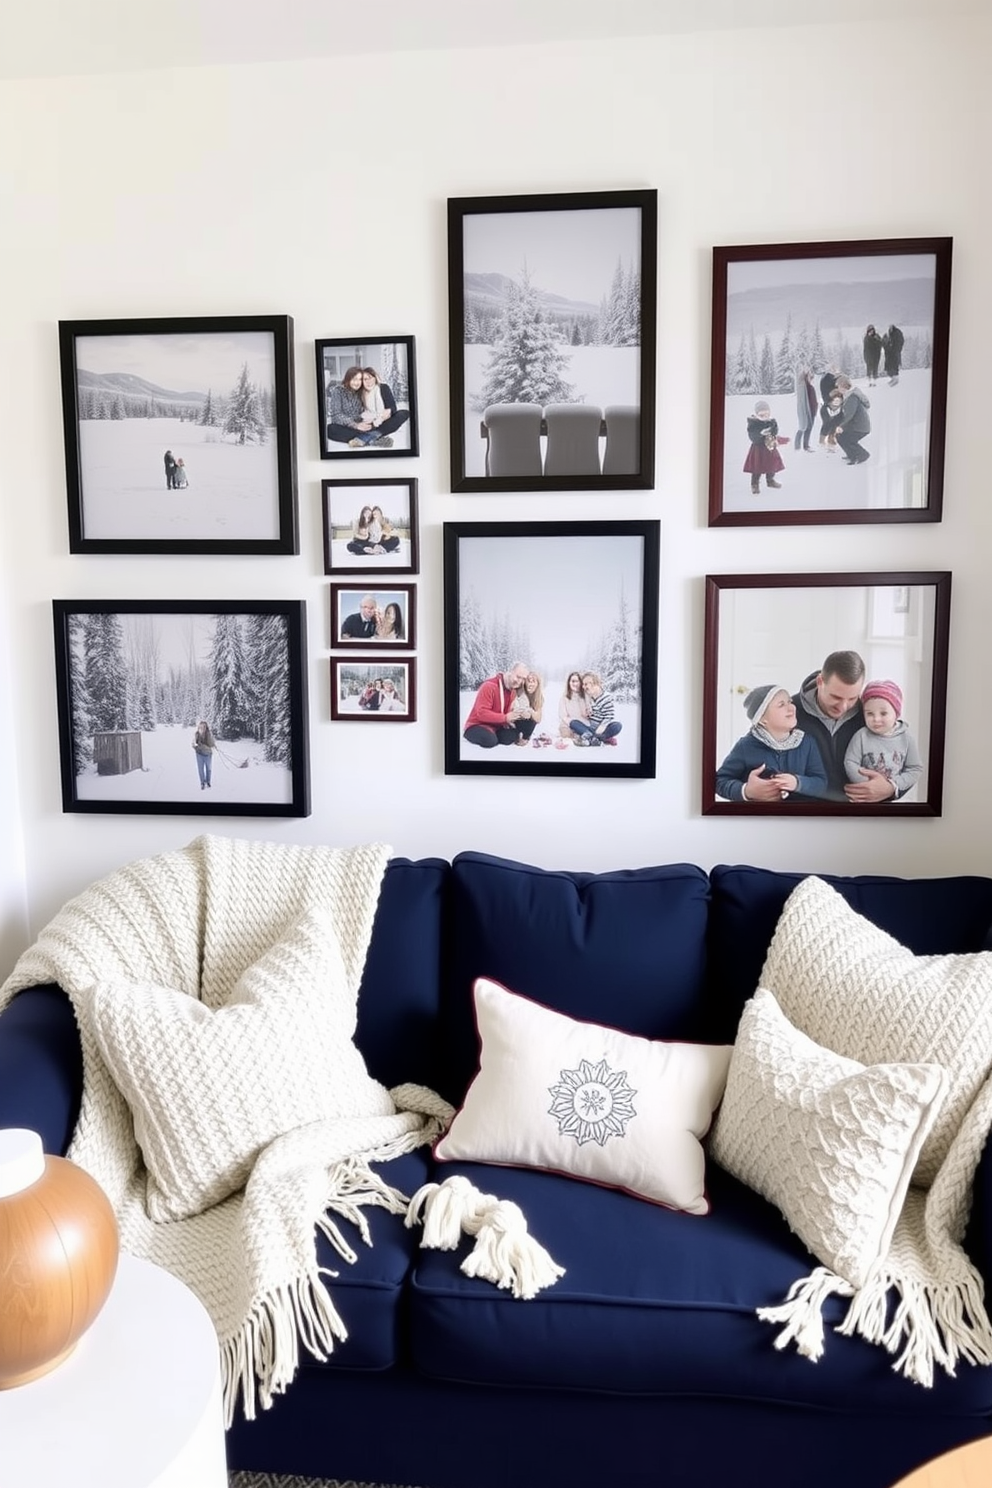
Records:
x=472, y=658
x=785, y=372
x=207, y=415
x=243, y=412
x=79, y=696
x=104, y=671
x=267, y=647
x=742, y=376
x=621, y=664
x=529, y=358
x=230, y=681
x=766, y=369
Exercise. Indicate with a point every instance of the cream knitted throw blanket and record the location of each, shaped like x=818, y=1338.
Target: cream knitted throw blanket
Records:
x=195, y=921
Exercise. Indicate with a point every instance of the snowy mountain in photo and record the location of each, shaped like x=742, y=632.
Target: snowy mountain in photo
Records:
x=903, y=302
x=490, y=292
x=131, y=386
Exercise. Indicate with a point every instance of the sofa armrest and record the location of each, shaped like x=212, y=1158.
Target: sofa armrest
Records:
x=41, y=1066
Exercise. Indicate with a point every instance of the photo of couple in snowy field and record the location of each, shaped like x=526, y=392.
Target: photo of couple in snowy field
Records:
x=552, y=309
x=550, y=647
x=829, y=382
x=366, y=398
x=189, y=707
x=370, y=526
x=823, y=696
x=179, y=435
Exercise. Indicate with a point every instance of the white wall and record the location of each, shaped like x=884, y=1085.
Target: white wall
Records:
x=318, y=189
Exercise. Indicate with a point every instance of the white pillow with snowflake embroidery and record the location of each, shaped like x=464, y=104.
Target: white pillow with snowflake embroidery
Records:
x=588, y=1101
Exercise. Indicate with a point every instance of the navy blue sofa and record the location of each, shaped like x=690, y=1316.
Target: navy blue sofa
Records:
x=645, y=1364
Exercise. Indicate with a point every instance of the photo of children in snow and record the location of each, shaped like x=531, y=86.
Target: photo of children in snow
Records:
x=540, y=618
x=552, y=315
x=832, y=727
x=177, y=436
x=370, y=525
x=144, y=688
x=828, y=366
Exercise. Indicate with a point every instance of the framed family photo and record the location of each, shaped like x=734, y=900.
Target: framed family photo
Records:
x=370, y=526
x=369, y=689
x=366, y=397
x=551, y=648
x=825, y=694
x=552, y=309
x=829, y=382
x=180, y=435
x=381, y=615
x=182, y=707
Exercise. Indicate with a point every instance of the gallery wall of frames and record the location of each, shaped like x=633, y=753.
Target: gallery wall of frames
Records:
x=822, y=693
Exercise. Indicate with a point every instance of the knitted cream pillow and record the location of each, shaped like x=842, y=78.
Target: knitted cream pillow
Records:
x=832, y=1143
x=209, y=1088
x=588, y=1101
x=856, y=990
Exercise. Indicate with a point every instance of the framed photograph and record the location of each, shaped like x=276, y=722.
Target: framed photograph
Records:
x=182, y=707
x=825, y=694
x=180, y=435
x=552, y=307
x=366, y=397
x=550, y=648
x=366, y=689
x=380, y=615
x=370, y=526
x=829, y=382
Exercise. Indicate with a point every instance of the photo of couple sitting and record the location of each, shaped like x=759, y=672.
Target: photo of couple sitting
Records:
x=362, y=411
x=508, y=708
x=839, y=738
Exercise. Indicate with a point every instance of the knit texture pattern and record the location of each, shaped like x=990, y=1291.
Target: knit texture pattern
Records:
x=196, y=921
x=855, y=990
x=831, y=1142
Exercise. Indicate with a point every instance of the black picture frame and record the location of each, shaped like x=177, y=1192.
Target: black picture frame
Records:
x=788, y=320
x=394, y=361
x=346, y=605
x=154, y=664
x=220, y=389
x=348, y=548
x=597, y=584
x=516, y=260
x=352, y=677
x=759, y=631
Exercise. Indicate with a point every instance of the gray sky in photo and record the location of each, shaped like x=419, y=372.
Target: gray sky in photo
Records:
x=178, y=638
x=569, y=253
x=564, y=591
x=864, y=270
x=187, y=363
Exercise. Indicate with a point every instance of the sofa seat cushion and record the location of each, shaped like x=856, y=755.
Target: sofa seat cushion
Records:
x=652, y=1302
x=369, y=1294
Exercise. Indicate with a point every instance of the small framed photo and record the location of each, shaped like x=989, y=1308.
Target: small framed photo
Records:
x=552, y=309
x=366, y=397
x=382, y=615
x=550, y=648
x=825, y=694
x=180, y=435
x=829, y=382
x=367, y=689
x=183, y=708
x=370, y=526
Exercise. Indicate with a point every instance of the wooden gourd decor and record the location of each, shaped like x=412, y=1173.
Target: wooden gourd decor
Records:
x=58, y=1256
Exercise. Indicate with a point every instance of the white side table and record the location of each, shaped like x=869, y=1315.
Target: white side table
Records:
x=137, y=1404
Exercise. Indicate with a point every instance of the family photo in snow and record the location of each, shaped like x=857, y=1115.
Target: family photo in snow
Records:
x=828, y=384
x=152, y=408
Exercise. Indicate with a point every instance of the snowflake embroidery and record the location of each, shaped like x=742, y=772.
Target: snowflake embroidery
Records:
x=592, y=1103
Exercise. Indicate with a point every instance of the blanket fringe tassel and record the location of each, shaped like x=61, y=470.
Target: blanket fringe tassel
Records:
x=260, y=1360
x=504, y=1253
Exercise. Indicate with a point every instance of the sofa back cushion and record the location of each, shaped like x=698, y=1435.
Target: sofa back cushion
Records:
x=930, y=916
x=399, y=997
x=626, y=949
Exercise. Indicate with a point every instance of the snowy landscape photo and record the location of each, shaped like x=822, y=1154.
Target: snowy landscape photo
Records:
x=182, y=708
x=552, y=600
x=180, y=439
x=552, y=306
x=377, y=690
x=829, y=383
